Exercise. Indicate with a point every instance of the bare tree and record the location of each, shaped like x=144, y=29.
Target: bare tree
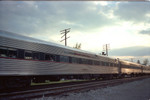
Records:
x=145, y=62
x=77, y=46
x=138, y=61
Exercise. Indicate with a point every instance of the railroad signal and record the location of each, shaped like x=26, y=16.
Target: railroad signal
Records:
x=64, y=32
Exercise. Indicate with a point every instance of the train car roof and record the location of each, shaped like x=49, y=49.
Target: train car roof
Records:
x=34, y=40
x=130, y=63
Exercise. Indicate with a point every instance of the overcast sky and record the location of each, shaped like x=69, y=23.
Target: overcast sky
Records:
x=92, y=23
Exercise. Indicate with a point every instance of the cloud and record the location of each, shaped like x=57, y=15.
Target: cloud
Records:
x=147, y=31
x=131, y=51
x=39, y=17
x=45, y=19
x=133, y=11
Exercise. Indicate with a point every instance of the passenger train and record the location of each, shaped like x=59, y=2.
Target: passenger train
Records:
x=24, y=59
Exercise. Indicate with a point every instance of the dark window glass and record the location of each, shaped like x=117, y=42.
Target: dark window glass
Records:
x=84, y=61
x=90, y=62
x=70, y=59
x=103, y=63
x=21, y=53
x=96, y=62
x=12, y=53
x=75, y=60
x=107, y=64
x=53, y=57
x=42, y=56
x=47, y=57
x=111, y=64
x=64, y=59
x=50, y=57
x=36, y=55
x=80, y=60
x=3, y=52
x=28, y=54
x=100, y=63
x=57, y=58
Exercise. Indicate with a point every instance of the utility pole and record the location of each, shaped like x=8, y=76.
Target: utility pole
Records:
x=106, y=47
x=64, y=32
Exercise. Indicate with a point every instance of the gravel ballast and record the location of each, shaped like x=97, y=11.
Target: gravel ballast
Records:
x=137, y=90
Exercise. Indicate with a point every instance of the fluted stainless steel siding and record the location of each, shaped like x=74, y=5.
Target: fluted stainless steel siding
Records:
x=27, y=67
x=30, y=67
x=29, y=46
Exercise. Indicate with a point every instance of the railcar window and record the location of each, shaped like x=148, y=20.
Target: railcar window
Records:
x=90, y=62
x=100, y=63
x=50, y=57
x=107, y=64
x=111, y=64
x=96, y=62
x=57, y=58
x=74, y=60
x=28, y=54
x=64, y=59
x=3, y=52
x=21, y=53
x=103, y=63
x=126, y=66
x=36, y=55
x=84, y=61
x=80, y=60
x=47, y=57
x=53, y=57
x=70, y=59
x=42, y=56
x=12, y=53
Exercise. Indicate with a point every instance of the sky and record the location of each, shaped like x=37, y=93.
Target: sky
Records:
x=93, y=23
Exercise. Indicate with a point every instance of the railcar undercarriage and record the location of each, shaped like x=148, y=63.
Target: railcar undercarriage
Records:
x=25, y=81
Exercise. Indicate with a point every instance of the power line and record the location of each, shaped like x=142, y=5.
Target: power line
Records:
x=64, y=32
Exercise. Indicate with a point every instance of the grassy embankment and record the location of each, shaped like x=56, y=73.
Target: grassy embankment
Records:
x=55, y=82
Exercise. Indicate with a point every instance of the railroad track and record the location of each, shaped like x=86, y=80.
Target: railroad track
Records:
x=47, y=91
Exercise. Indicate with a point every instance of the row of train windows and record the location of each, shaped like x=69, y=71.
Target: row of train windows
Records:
x=25, y=54
x=133, y=67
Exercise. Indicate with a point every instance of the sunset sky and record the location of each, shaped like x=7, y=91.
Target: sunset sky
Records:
x=92, y=23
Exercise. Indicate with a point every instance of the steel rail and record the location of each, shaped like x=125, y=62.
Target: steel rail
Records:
x=65, y=89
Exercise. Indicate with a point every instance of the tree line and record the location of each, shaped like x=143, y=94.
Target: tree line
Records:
x=145, y=62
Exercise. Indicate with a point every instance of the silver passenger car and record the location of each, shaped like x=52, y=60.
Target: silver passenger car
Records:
x=24, y=58
x=21, y=55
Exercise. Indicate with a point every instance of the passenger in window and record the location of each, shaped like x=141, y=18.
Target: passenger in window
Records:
x=12, y=56
x=3, y=55
x=51, y=59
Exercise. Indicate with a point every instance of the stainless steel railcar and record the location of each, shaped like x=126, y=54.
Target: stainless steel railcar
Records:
x=23, y=59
